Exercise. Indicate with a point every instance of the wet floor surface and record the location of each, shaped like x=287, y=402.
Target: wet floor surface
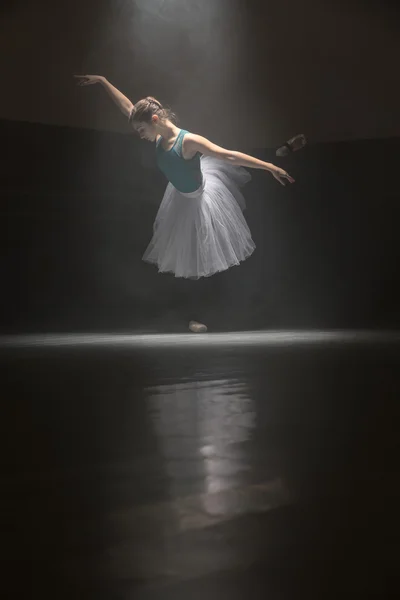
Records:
x=201, y=470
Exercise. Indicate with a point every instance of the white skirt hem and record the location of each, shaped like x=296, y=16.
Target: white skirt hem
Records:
x=200, y=275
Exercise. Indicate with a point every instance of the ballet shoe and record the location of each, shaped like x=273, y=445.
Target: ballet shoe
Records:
x=295, y=143
x=196, y=327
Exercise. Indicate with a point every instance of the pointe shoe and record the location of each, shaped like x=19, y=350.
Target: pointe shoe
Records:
x=196, y=327
x=295, y=143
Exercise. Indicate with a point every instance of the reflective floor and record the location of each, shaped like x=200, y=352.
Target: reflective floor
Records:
x=246, y=466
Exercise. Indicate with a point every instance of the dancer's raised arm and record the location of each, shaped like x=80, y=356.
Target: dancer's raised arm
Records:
x=123, y=103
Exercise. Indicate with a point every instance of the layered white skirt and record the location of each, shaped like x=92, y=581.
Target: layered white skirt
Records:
x=204, y=232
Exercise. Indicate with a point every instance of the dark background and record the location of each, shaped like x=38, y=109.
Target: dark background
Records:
x=79, y=194
x=246, y=73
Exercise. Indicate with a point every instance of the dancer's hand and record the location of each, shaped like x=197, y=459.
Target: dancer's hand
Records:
x=281, y=176
x=88, y=79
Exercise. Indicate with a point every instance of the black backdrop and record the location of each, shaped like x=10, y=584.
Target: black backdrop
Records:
x=77, y=212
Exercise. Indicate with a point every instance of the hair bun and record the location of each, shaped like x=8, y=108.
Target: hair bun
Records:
x=150, y=99
x=147, y=107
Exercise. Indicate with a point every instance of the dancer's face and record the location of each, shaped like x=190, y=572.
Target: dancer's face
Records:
x=146, y=131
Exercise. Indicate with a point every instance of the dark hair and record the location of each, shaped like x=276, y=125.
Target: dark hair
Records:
x=143, y=111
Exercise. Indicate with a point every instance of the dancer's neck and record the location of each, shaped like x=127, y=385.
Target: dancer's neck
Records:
x=167, y=130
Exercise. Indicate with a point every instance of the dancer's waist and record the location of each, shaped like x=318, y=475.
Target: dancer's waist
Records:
x=196, y=193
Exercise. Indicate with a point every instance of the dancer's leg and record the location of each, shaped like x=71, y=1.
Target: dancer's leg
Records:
x=191, y=303
x=202, y=299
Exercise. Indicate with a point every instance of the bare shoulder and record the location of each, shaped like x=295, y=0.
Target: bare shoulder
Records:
x=198, y=143
x=190, y=145
x=190, y=138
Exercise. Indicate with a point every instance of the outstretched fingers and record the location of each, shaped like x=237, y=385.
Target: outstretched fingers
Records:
x=283, y=177
x=82, y=80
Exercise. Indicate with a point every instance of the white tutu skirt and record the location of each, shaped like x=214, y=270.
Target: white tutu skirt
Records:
x=199, y=234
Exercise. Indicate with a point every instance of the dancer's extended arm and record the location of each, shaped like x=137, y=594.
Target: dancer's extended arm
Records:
x=196, y=143
x=123, y=103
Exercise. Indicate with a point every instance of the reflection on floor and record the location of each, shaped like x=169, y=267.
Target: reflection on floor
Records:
x=201, y=466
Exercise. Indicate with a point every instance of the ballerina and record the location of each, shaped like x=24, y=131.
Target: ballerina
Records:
x=199, y=229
